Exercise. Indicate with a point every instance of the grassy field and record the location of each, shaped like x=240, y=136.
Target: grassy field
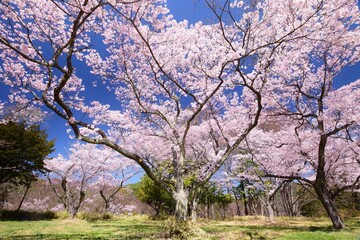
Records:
x=140, y=227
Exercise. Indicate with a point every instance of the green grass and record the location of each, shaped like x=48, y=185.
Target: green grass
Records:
x=122, y=228
x=140, y=227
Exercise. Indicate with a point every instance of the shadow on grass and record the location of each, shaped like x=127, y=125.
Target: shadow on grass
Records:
x=224, y=228
x=321, y=229
x=53, y=237
x=79, y=236
x=129, y=227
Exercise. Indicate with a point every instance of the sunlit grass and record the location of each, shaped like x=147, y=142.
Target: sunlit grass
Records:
x=283, y=228
x=121, y=228
x=140, y=227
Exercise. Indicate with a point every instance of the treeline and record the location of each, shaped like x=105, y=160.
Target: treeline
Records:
x=145, y=197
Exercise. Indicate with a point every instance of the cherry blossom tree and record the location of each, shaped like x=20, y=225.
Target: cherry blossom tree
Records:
x=87, y=166
x=322, y=152
x=14, y=112
x=241, y=168
x=180, y=97
x=115, y=173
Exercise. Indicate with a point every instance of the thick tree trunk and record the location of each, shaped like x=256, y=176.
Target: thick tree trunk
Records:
x=267, y=202
x=286, y=200
x=181, y=197
x=73, y=211
x=73, y=206
x=330, y=207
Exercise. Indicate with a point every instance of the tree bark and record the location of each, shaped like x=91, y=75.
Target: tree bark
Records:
x=320, y=185
x=223, y=211
x=23, y=198
x=208, y=210
x=213, y=211
x=238, y=211
x=73, y=206
x=194, y=205
x=270, y=211
x=106, y=201
x=329, y=206
x=194, y=210
x=181, y=197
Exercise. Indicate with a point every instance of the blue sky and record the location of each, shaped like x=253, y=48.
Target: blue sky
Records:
x=193, y=11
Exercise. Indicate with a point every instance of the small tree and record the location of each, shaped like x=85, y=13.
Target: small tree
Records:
x=72, y=177
x=22, y=153
x=110, y=181
x=224, y=200
x=148, y=192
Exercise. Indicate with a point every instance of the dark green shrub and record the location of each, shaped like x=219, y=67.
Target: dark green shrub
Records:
x=26, y=216
x=313, y=209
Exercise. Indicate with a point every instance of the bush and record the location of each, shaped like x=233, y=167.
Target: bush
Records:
x=349, y=213
x=92, y=217
x=62, y=215
x=25, y=215
x=313, y=209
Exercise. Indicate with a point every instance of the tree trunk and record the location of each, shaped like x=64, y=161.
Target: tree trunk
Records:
x=194, y=210
x=321, y=186
x=244, y=198
x=194, y=206
x=23, y=198
x=246, y=206
x=107, y=206
x=208, y=210
x=72, y=205
x=213, y=211
x=286, y=200
x=181, y=197
x=236, y=198
x=270, y=211
x=238, y=211
x=73, y=211
x=329, y=206
x=223, y=211
x=106, y=201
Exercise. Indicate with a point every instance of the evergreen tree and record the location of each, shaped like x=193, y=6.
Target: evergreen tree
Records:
x=22, y=153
